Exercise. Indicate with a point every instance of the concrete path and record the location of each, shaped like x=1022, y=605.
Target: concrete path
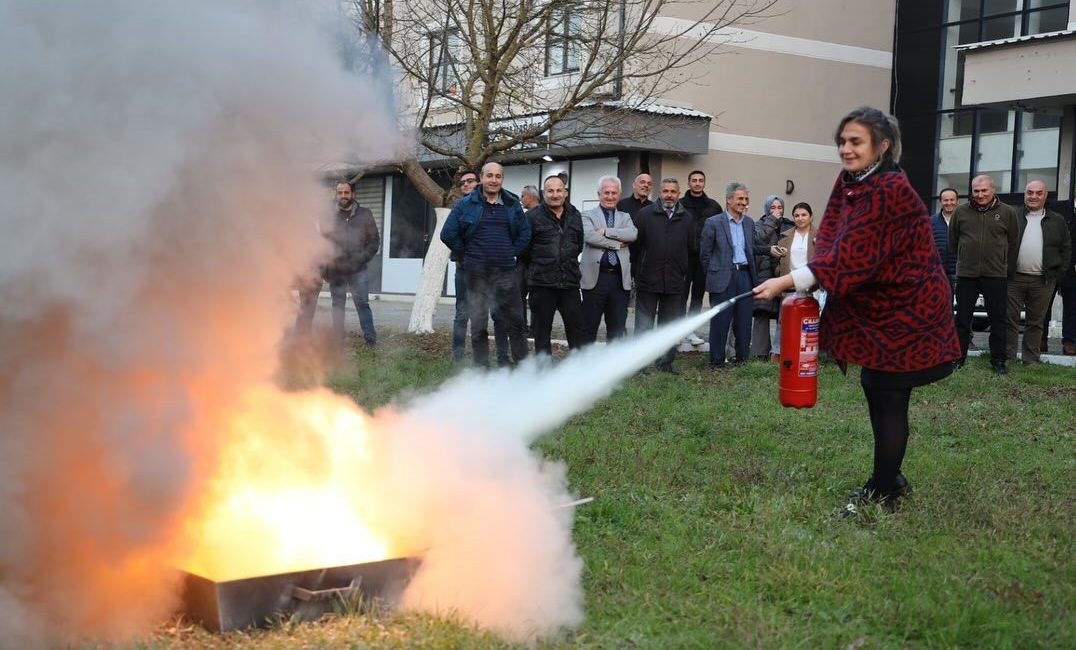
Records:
x=394, y=312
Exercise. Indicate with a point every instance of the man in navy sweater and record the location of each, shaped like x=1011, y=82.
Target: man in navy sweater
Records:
x=940, y=224
x=487, y=229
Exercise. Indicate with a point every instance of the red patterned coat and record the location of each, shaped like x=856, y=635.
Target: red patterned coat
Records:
x=888, y=305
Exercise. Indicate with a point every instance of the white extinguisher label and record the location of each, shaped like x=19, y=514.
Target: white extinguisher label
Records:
x=808, y=362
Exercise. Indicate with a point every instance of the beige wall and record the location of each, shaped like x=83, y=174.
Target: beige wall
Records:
x=787, y=95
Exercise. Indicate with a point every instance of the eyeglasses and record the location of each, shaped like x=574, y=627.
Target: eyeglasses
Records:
x=470, y=179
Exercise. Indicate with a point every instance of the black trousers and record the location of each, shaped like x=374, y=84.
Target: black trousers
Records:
x=665, y=308
x=996, y=297
x=608, y=299
x=546, y=301
x=696, y=285
x=888, y=409
x=495, y=289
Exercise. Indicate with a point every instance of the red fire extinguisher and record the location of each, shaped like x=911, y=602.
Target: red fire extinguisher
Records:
x=798, y=376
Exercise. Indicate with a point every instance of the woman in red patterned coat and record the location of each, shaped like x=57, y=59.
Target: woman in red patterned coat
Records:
x=888, y=308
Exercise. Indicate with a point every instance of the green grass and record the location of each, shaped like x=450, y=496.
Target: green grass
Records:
x=711, y=525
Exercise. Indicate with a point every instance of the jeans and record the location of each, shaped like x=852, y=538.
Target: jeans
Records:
x=738, y=316
x=492, y=289
x=359, y=285
x=995, y=297
x=308, y=304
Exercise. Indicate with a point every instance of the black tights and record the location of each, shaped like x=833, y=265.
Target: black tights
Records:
x=889, y=419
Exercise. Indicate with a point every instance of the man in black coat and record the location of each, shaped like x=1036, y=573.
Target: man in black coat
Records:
x=553, y=267
x=666, y=237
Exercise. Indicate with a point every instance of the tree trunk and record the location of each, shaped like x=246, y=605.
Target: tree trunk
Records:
x=433, y=278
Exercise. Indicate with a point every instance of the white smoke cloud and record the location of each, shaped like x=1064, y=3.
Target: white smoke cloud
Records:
x=158, y=171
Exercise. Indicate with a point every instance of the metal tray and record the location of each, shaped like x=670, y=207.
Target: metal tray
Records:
x=303, y=595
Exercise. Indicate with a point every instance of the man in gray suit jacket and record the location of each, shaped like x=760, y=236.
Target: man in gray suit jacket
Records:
x=725, y=254
x=606, y=264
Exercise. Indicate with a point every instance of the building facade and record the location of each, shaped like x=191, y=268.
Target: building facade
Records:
x=762, y=111
x=1010, y=123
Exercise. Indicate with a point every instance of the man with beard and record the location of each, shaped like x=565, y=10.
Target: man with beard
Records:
x=1043, y=257
x=985, y=236
x=553, y=267
x=701, y=207
x=666, y=235
x=353, y=233
x=488, y=230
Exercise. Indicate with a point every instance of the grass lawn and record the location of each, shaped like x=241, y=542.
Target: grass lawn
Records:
x=711, y=525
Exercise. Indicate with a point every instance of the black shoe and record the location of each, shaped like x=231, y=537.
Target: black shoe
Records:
x=669, y=369
x=718, y=366
x=999, y=367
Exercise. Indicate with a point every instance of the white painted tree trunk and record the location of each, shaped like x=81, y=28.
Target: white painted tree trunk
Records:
x=432, y=281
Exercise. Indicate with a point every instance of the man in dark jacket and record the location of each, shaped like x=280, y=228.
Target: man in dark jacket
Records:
x=986, y=238
x=1067, y=284
x=353, y=232
x=666, y=237
x=488, y=230
x=1045, y=251
x=948, y=198
x=553, y=267
x=701, y=207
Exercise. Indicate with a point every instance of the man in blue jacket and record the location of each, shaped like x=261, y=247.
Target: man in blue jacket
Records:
x=948, y=199
x=488, y=230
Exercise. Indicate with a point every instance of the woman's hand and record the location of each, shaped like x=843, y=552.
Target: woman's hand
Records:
x=773, y=287
x=777, y=251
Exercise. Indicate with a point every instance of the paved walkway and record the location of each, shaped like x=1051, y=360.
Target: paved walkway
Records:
x=394, y=311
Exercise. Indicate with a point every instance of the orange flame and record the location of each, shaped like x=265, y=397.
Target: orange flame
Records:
x=287, y=493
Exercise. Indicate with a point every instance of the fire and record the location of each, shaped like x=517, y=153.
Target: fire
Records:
x=287, y=491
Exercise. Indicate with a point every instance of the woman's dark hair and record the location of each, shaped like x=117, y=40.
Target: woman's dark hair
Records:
x=881, y=125
x=806, y=206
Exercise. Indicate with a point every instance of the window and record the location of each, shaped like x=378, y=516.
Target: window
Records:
x=562, y=42
x=445, y=48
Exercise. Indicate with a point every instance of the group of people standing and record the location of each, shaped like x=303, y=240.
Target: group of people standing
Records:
x=1016, y=259
x=584, y=265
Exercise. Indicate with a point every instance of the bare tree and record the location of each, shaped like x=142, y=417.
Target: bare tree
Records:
x=485, y=79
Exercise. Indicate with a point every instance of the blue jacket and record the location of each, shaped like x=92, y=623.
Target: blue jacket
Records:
x=465, y=216
x=941, y=241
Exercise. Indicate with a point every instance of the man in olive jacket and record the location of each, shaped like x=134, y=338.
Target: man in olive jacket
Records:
x=986, y=238
x=553, y=267
x=1042, y=260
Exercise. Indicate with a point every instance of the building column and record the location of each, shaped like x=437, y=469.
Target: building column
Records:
x=1066, y=154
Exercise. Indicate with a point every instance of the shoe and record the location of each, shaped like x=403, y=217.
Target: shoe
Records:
x=775, y=357
x=998, y=367
x=1068, y=349
x=694, y=339
x=669, y=369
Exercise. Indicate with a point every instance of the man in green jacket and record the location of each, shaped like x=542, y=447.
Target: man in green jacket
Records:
x=985, y=237
x=1042, y=259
